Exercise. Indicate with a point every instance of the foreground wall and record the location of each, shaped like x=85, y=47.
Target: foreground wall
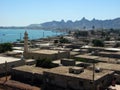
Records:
x=10, y=65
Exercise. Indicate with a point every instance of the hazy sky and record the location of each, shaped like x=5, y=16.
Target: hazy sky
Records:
x=25, y=12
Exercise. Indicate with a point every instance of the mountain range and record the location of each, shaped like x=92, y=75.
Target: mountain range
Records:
x=72, y=25
x=79, y=24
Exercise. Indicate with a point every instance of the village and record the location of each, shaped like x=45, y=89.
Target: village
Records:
x=79, y=60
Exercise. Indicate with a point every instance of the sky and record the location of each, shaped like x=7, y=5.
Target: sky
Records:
x=26, y=12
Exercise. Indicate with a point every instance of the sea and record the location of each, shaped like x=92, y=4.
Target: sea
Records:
x=14, y=35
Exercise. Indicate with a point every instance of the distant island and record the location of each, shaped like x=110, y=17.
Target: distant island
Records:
x=79, y=24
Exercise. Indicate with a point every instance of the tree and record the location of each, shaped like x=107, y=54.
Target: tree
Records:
x=81, y=33
x=46, y=63
x=98, y=43
x=5, y=47
x=63, y=40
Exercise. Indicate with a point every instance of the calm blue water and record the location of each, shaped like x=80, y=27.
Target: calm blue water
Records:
x=11, y=35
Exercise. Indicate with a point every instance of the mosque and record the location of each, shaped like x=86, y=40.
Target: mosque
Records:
x=42, y=53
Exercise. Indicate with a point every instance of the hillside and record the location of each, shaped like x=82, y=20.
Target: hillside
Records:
x=80, y=24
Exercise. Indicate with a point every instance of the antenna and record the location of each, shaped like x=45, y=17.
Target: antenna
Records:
x=6, y=70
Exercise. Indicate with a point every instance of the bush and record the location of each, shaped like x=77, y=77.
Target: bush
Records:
x=98, y=43
x=45, y=63
x=63, y=40
x=5, y=47
x=81, y=60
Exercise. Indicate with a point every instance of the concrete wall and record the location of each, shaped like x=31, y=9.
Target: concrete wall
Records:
x=10, y=65
x=73, y=83
x=27, y=77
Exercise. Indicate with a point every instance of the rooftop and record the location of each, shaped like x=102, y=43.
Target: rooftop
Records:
x=116, y=87
x=3, y=59
x=29, y=60
x=115, y=53
x=31, y=69
x=74, y=53
x=108, y=66
x=86, y=56
x=87, y=74
x=98, y=58
x=59, y=62
x=112, y=49
x=47, y=51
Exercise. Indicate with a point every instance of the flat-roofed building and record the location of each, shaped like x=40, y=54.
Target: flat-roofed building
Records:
x=50, y=54
x=91, y=58
x=67, y=62
x=28, y=74
x=7, y=63
x=30, y=62
x=76, y=78
x=109, y=66
x=77, y=63
x=86, y=58
x=42, y=53
x=116, y=87
x=109, y=54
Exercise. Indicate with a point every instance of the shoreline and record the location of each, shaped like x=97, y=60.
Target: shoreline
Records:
x=12, y=35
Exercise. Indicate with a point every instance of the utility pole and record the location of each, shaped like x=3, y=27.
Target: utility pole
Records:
x=93, y=75
x=5, y=70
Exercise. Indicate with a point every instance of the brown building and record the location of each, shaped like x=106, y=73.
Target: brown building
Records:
x=50, y=54
x=76, y=78
x=112, y=67
x=28, y=74
x=42, y=53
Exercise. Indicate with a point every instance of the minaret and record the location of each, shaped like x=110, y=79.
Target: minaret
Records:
x=25, y=42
